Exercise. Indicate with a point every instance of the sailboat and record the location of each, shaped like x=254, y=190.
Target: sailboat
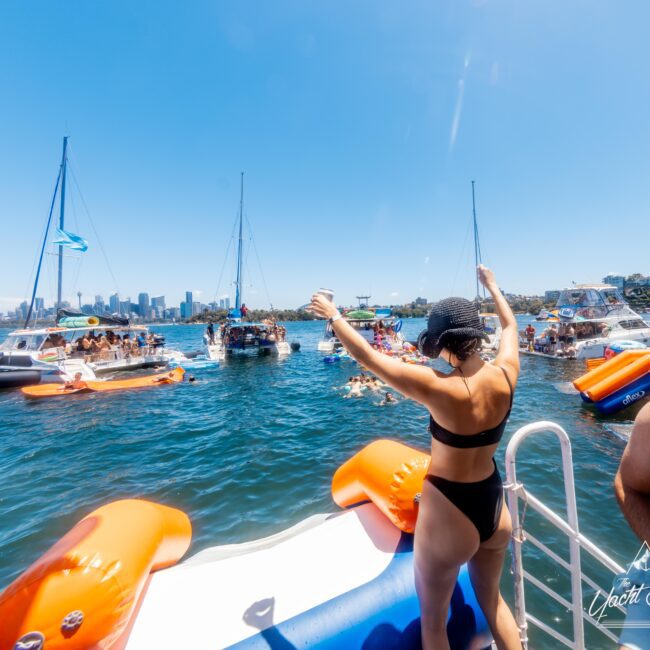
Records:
x=32, y=354
x=490, y=321
x=238, y=335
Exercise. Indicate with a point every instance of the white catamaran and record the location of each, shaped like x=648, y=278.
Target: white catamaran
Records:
x=237, y=335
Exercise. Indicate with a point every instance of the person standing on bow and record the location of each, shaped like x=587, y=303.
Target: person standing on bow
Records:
x=461, y=515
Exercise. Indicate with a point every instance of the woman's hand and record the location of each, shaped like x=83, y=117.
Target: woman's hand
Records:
x=322, y=307
x=486, y=276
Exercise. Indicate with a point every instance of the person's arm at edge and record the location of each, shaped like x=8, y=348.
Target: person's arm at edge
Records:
x=415, y=382
x=632, y=482
x=508, y=354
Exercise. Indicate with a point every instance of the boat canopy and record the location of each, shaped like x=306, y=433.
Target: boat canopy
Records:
x=117, y=321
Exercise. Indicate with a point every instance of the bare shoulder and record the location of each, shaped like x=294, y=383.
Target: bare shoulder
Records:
x=511, y=370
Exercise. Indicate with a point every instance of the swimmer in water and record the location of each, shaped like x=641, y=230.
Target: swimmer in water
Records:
x=388, y=399
x=191, y=379
x=355, y=388
x=374, y=385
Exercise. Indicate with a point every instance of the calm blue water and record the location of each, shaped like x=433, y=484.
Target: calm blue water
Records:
x=251, y=447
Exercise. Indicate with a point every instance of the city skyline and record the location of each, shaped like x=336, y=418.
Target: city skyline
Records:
x=156, y=308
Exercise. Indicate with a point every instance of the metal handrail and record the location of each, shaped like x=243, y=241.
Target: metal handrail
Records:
x=515, y=491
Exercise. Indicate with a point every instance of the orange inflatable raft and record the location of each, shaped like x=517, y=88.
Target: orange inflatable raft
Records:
x=81, y=594
x=617, y=383
x=387, y=473
x=58, y=390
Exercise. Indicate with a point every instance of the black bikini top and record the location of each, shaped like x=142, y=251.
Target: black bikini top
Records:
x=482, y=439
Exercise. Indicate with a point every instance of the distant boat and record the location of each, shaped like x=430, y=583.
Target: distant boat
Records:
x=237, y=335
x=598, y=315
x=368, y=322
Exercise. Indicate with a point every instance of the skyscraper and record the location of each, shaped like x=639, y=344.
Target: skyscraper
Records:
x=114, y=303
x=187, y=306
x=143, y=305
x=158, y=306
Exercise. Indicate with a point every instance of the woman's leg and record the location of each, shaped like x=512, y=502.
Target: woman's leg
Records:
x=444, y=540
x=485, y=570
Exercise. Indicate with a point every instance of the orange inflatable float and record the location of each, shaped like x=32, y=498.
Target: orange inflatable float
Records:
x=605, y=369
x=81, y=593
x=58, y=390
x=387, y=473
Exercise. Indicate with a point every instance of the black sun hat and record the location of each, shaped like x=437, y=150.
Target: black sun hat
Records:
x=449, y=319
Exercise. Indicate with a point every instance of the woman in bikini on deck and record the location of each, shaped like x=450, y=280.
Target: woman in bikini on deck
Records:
x=461, y=515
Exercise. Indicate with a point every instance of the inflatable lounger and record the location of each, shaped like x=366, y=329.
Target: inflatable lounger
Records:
x=59, y=390
x=331, y=582
x=618, y=382
x=334, y=581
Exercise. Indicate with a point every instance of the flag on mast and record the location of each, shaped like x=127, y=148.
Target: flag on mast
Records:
x=70, y=240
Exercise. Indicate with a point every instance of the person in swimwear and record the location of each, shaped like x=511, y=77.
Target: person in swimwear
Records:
x=461, y=515
x=75, y=383
x=356, y=386
x=165, y=379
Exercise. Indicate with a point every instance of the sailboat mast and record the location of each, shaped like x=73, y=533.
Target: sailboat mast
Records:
x=477, y=249
x=238, y=291
x=64, y=164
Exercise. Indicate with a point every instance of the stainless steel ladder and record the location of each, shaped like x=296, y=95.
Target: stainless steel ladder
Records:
x=516, y=492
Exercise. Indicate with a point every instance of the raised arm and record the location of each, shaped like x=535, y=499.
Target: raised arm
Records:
x=632, y=482
x=508, y=355
x=416, y=382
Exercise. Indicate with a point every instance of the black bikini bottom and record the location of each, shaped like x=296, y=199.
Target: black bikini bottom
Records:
x=481, y=502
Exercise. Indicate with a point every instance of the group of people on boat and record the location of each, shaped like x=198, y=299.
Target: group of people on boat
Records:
x=106, y=345
x=559, y=339
x=271, y=332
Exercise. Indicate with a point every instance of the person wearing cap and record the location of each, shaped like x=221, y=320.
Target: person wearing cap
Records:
x=461, y=516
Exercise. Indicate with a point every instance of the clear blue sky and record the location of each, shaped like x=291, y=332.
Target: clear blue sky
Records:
x=359, y=126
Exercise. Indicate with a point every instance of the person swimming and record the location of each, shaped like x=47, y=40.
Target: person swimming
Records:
x=389, y=398
x=356, y=387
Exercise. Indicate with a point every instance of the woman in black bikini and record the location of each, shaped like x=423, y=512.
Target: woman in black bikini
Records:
x=461, y=517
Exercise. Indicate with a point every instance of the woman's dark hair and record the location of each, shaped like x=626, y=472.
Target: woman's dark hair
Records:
x=464, y=349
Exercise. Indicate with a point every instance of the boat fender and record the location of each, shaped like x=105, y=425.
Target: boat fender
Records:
x=83, y=591
x=388, y=473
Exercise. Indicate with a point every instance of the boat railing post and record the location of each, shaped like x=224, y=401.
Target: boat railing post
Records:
x=515, y=491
